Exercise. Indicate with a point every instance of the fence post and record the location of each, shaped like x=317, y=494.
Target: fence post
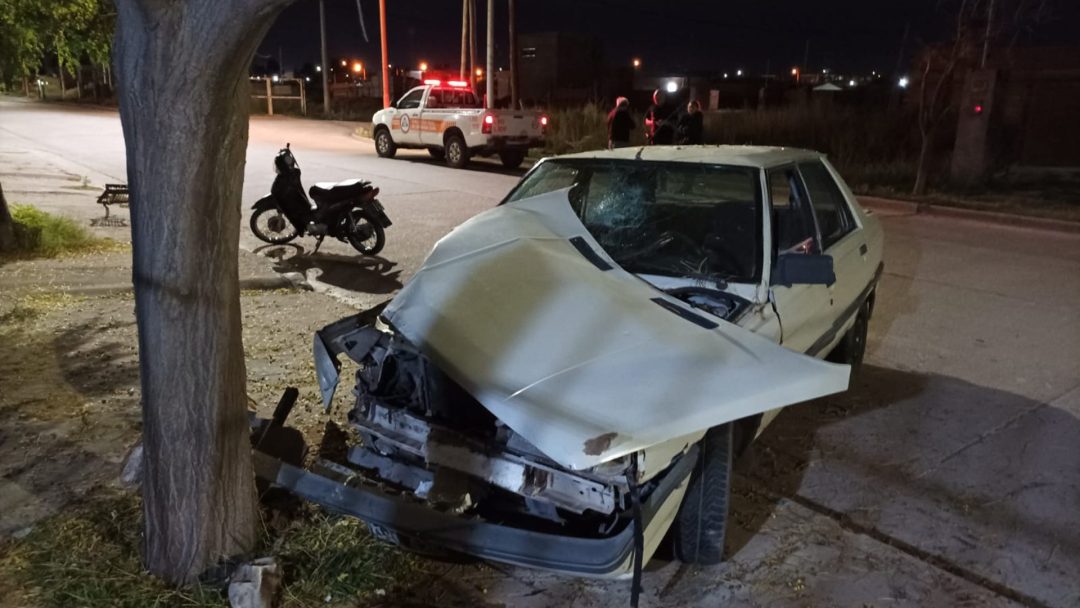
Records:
x=303, y=97
x=269, y=98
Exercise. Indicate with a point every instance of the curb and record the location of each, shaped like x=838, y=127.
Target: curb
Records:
x=253, y=284
x=363, y=132
x=990, y=217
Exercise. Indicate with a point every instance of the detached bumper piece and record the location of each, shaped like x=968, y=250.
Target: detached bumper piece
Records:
x=405, y=521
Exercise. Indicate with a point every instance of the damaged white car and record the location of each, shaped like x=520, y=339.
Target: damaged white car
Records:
x=569, y=376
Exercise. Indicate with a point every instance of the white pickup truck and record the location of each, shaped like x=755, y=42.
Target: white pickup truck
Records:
x=450, y=122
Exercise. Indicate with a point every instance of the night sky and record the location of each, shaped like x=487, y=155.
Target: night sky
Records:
x=852, y=36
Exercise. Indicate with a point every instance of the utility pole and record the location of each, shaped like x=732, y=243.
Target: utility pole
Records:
x=489, y=74
x=989, y=33
x=385, y=55
x=325, y=68
x=472, y=43
x=513, y=55
x=464, y=38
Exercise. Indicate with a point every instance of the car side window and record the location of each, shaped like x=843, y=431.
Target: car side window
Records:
x=411, y=100
x=793, y=221
x=831, y=208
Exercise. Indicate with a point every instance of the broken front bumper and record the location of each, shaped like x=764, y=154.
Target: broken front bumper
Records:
x=403, y=521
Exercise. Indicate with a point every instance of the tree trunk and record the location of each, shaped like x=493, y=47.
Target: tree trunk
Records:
x=7, y=226
x=923, y=165
x=183, y=95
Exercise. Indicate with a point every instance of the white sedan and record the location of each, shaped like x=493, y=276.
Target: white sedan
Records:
x=567, y=379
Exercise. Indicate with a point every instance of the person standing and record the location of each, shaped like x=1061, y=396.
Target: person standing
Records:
x=620, y=124
x=692, y=125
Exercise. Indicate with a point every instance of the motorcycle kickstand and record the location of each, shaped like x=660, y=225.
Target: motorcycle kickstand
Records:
x=318, y=244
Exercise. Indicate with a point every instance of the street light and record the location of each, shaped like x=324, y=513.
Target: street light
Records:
x=903, y=82
x=794, y=71
x=637, y=62
x=851, y=83
x=344, y=63
x=357, y=67
x=738, y=72
x=423, y=66
x=318, y=68
x=479, y=72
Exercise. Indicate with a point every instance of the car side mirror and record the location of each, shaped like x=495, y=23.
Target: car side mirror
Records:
x=803, y=269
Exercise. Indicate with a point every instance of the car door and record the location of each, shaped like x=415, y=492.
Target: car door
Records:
x=842, y=239
x=805, y=311
x=405, y=126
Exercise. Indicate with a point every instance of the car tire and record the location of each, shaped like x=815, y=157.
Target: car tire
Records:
x=437, y=153
x=701, y=523
x=384, y=144
x=851, y=349
x=512, y=159
x=457, y=153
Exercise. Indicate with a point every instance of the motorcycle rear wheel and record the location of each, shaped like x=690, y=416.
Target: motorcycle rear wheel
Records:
x=270, y=225
x=363, y=232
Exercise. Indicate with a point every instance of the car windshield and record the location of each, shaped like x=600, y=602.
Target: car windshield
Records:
x=663, y=218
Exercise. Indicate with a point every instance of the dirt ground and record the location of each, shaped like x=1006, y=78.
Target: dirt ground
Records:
x=69, y=387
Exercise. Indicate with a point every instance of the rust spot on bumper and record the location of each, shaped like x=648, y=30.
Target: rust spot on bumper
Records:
x=599, y=444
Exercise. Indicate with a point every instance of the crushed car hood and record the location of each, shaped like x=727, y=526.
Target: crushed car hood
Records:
x=523, y=309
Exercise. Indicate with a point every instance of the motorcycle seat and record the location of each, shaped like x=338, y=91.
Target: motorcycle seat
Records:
x=329, y=192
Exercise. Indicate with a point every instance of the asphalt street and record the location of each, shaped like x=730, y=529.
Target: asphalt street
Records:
x=948, y=475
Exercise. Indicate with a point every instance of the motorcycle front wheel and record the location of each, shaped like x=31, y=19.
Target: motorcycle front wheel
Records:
x=270, y=225
x=363, y=232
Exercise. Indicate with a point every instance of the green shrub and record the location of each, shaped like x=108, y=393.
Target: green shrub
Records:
x=41, y=234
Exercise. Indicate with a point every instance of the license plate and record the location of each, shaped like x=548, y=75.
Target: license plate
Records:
x=384, y=534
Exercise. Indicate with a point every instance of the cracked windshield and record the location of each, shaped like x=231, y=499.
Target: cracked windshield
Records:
x=671, y=219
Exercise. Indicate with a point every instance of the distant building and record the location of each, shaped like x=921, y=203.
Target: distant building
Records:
x=560, y=67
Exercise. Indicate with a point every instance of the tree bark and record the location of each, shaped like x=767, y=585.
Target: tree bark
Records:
x=183, y=95
x=922, y=167
x=7, y=225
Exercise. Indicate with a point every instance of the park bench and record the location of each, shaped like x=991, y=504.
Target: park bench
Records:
x=114, y=194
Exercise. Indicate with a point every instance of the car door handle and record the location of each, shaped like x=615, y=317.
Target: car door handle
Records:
x=863, y=249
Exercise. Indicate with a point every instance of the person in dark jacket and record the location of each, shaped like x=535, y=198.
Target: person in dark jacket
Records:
x=620, y=124
x=691, y=125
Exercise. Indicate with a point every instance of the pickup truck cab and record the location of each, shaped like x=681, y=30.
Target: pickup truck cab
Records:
x=449, y=121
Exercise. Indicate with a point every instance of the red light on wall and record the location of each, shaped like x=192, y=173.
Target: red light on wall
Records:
x=978, y=109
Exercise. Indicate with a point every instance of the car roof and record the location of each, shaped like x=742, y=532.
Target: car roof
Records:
x=748, y=156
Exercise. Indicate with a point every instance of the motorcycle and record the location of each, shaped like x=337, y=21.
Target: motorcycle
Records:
x=347, y=211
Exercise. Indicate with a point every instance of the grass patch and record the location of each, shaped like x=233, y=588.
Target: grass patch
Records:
x=90, y=556
x=41, y=234
x=35, y=305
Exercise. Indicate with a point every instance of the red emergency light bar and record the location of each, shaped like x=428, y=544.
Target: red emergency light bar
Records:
x=433, y=82
x=458, y=83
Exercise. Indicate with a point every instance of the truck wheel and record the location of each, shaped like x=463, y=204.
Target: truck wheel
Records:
x=852, y=347
x=512, y=159
x=437, y=153
x=384, y=144
x=457, y=153
x=700, y=525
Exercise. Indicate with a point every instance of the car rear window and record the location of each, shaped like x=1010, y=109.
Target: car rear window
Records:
x=452, y=98
x=663, y=218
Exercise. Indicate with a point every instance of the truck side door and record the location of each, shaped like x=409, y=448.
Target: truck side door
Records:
x=405, y=125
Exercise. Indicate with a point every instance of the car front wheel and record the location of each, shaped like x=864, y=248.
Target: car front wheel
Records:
x=384, y=144
x=700, y=525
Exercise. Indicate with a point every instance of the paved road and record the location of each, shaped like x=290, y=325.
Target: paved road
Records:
x=949, y=475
